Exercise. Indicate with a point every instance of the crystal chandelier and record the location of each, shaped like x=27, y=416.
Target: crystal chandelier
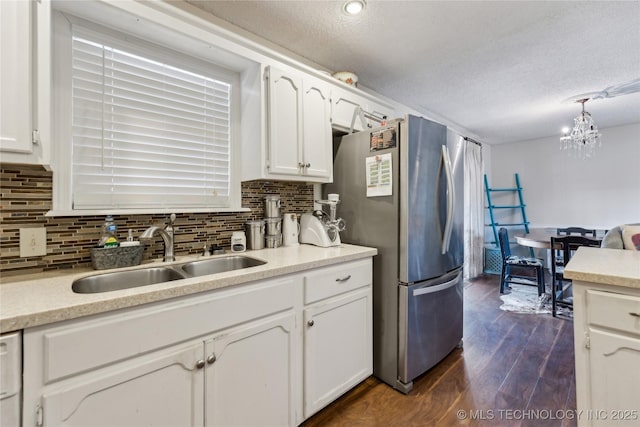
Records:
x=584, y=137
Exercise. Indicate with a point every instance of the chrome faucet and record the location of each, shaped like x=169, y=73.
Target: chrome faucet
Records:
x=167, y=237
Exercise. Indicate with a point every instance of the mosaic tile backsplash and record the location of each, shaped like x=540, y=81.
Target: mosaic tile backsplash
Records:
x=26, y=196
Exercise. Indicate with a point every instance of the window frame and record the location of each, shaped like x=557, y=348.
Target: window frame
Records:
x=62, y=114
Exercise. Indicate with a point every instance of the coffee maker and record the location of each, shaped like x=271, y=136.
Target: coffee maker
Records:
x=321, y=228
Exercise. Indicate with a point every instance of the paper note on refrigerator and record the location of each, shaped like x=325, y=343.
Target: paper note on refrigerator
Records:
x=379, y=177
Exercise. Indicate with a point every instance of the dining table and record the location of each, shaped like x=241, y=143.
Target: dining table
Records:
x=541, y=238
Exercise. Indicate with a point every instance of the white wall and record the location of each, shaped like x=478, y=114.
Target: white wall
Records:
x=600, y=192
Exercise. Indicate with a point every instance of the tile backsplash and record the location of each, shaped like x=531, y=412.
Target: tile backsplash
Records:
x=26, y=196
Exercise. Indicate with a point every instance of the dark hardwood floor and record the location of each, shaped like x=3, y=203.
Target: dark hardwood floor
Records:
x=515, y=370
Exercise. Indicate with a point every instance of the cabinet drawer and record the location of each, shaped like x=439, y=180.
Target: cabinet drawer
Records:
x=330, y=281
x=613, y=310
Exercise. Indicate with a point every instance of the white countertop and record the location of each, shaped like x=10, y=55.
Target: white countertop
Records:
x=38, y=299
x=617, y=267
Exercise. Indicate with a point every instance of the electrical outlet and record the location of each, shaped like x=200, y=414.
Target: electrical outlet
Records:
x=33, y=242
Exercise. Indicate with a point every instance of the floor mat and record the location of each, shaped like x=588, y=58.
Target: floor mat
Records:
x=525, y=299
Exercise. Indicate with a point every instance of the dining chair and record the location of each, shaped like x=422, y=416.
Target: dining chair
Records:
x=569, y=231
x=509, y=261
x=576, y=231
x=560, y=286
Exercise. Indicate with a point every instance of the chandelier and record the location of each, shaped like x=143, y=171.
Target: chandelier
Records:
x=584, y=136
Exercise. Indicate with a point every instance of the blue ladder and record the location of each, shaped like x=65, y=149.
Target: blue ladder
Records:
x=521, y=207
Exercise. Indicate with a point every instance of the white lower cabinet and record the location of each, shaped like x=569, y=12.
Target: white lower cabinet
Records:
x=250, y=374
x=162, y=388
x=338, y=347
x=240, y=377
x=224, y=358
x=607, y=349
x=615, y=377
x=250, y=355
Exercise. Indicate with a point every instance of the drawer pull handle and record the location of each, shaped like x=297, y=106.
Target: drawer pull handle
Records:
x=311, y=322
x=211, y=359
x=200, y=364
x=634, y=314
x=343, y=279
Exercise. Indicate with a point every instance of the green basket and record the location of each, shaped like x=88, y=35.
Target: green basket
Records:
x=492, y=260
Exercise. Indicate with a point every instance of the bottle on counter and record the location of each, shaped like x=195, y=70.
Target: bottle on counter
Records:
x=109, y=230
x=130, y=241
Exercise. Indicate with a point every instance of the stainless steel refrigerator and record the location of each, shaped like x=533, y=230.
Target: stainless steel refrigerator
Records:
x=401, y=191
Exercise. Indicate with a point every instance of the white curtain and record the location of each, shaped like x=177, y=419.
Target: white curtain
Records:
x=473, y=210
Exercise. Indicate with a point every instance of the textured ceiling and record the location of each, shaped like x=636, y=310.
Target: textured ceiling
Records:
x=498, y=71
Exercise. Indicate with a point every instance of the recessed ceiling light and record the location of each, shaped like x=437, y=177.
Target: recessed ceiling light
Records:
x=354, y=7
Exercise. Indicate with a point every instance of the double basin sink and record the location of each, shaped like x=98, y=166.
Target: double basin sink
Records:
x=119, y=280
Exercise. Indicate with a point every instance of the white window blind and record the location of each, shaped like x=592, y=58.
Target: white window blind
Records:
x=146, y=133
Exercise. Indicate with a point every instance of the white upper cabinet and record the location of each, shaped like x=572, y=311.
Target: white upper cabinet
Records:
x=284, y=122
x=15, y=76
x=298, y=127
x=343, y=107
x=299, y=112
x=25, y=81
x=316, y=138
x=379, y=110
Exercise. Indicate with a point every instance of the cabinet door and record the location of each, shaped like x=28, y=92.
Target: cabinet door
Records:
x=159, y=389
x=337, y=347
x=284, y=122
x=15, y=76
x=615, y=377
x=249, y=377
x=343, y=104
x=380, y=111
x=317, y=139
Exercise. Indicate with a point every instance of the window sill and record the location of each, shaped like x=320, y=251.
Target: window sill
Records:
x=90, y=212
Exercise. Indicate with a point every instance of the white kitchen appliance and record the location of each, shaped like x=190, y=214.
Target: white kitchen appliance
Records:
x=320, y=228
x=314, y=232
x=290, y=230
x=238, y=241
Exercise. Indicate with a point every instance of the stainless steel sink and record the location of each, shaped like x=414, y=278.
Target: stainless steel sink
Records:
x=118, y=280
x=219, y=265
x=125, y=279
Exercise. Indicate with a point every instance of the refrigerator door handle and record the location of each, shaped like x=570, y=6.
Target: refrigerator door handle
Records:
x=448, y=227
x=437, y=288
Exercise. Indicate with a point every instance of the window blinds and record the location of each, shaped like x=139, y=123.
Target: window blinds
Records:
x=146, y=133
